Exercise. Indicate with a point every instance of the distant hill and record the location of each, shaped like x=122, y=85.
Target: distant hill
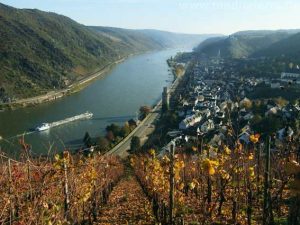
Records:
x=170, y=40
x=127, y=39
x=288, y=48
x=145, y=37
x=40, y=51
x=242, y=44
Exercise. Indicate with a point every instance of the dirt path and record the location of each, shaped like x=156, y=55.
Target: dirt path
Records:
x=127, y=204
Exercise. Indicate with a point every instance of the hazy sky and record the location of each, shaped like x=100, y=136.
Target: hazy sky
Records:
x=188, y=16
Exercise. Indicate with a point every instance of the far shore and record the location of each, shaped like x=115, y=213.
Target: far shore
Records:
x=54, y=95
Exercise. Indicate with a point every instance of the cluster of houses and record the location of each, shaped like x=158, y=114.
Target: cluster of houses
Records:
x=291, y=76
x=210, y=96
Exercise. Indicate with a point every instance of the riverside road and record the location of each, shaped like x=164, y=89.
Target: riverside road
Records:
x=143, y=130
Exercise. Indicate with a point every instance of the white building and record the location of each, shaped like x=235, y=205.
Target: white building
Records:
x=190, y=121
x=290, y=77
x=285, y=75
x=207, y=126
x=275, y=85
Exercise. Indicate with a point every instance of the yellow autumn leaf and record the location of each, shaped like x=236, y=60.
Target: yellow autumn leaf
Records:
x=132, y=163
x=166, y=159
x=211, y=170
x=93, y=174
x=251, y=172
x=208, y=166
x=254, y=138
x=179, y=164
x=181, y=186
x=214, y=163
x=57, y=157
x=224, y=175
x=152, y=152
x=250, y=157
x=181, y=199
x=195, y=181
x=192, y=185
x=227, y=150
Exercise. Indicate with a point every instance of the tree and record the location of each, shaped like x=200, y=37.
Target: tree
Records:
x=267, y=125
x=103, y=144
x=171, y=120
x=125, y=130
x=114, y=128
x=144, y=111
x=135, y=144
x=87, y=140
x=281, y=101
x=246, y=103
x=110, y=136
x=132, y=123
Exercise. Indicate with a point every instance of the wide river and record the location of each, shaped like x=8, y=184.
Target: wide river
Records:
x=114, y=98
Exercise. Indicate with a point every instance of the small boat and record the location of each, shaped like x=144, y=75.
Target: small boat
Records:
x=44, y=126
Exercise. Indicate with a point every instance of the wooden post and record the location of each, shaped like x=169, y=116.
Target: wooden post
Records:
x=11, y=213
x=267, y=207
x=201, y=144
x=171, y=195
x=66, y=191
x=95, y=203
x=258, y=163
x=29, y=179
x=209, y=190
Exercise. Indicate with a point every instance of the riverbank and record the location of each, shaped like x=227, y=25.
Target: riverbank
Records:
x=115, y=98
x=71, y=89
x=144, y=128
x=178, y=69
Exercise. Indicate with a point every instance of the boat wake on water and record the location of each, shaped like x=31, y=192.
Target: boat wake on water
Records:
x=47, y=126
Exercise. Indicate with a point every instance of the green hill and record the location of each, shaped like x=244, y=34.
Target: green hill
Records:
x=287, y=48
x=41, y=51
x=126, y=39
x=242, y=44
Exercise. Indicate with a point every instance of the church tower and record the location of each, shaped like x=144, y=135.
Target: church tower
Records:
x=165, y=100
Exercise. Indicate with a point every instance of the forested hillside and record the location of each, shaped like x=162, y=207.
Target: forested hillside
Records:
x=42, y=51
x=288, y=48
x=243, y=44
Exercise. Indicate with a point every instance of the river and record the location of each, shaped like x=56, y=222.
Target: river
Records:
x=113, y=98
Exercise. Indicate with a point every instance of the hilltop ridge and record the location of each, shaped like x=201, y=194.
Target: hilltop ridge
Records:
x=245, y=44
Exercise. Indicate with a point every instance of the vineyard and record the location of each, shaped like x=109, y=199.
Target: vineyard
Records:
x=222, y=185
x=231, y=184
x=54, y=191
